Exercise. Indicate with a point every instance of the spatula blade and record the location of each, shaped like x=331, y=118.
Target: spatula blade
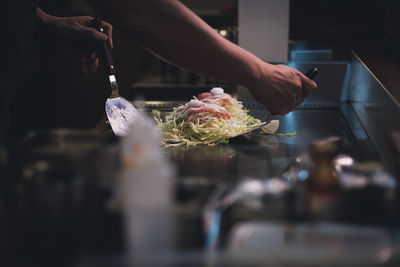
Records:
x=121, y=114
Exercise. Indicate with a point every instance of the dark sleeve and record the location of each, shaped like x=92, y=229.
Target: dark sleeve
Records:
x=17, y=18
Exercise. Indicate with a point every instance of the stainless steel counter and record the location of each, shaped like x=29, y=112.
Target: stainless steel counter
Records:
x=349, y=103
x=259, y=155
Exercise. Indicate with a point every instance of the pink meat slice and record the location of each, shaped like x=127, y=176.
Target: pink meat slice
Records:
x=224, y=99
x=218, y=111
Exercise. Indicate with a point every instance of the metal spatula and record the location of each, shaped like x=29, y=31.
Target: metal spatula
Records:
x=120, y=112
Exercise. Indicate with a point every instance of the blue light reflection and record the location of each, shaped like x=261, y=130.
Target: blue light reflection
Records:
x=303, y=175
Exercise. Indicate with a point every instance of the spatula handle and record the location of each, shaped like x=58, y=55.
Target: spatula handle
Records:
x=109, y=62
x=311, y=73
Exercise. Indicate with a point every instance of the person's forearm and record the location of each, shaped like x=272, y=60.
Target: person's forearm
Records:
x=47, y=22
x=44, y=19
x=172, y=31
x=41, y=16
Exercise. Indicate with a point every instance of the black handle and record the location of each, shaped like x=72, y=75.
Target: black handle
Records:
x=311, y=73
x=105, y=50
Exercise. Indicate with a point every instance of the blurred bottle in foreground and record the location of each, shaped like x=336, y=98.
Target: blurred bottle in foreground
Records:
x=146, y=194
x=323, y=185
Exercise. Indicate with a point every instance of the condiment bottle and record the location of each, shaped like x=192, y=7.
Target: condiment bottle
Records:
x=146, y=187
x=323, y=185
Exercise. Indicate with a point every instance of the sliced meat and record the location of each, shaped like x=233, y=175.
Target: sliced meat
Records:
x=224, y=99
x=187, y=112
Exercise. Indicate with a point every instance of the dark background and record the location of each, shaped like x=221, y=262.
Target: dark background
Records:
x=340, y=20
x=57, y=95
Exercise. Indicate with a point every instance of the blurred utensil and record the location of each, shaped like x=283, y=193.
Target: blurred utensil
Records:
x=241, y=133
x=120, y=112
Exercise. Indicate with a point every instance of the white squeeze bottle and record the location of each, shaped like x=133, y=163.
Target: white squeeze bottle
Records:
x=146, y=194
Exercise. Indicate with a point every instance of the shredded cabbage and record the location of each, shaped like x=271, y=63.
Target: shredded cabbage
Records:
x=205, y=128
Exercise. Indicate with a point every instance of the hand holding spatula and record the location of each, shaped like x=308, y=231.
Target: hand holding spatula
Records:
x=120, y=112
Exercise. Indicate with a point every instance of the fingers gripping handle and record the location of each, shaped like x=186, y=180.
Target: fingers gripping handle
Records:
x=105, y=50
x=311, y=73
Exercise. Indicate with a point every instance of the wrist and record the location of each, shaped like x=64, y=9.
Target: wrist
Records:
x=256, y=74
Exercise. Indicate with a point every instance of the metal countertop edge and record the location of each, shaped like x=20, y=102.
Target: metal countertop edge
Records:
x=376, y=78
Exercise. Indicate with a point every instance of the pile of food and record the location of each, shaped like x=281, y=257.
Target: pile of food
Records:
x=210, y=118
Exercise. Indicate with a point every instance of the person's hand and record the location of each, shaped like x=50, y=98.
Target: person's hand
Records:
x=281, y=88
x=78, y=33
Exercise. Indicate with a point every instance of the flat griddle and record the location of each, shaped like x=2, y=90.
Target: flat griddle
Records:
x=259, y=155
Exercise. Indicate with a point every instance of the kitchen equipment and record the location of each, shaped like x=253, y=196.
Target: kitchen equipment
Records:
x=120, y=112
x=349, y=103
x=242, y=133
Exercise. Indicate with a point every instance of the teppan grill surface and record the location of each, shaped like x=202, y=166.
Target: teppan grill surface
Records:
x=349, y=103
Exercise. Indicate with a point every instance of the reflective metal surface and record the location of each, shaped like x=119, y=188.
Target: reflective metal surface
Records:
x=259, y=155
x=350, y=103
x=365, y=87
x=377, y=110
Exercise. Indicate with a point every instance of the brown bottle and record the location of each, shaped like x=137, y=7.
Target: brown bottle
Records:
x=322, y=185
x=323, y=177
